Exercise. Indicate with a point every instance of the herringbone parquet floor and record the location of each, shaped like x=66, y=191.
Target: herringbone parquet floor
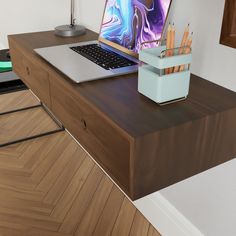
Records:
x=51, y=187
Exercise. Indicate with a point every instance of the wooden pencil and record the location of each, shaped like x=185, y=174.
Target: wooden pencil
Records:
x=172, y=45
x=187, y=50
x=183, y=44
x=168, y=44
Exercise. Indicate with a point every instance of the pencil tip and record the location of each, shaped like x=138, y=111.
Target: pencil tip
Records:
x=187, y=28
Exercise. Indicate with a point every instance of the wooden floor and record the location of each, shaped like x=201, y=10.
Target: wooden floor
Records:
x=51, y=187
x=23, y=124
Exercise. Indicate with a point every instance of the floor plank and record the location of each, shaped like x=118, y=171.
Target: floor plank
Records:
x=57, y=189
x=82, y=202
x=152, y=231
x=17, y=100
x=93, y=213
x=66, y=201
x=25, y=124
x=50, y=187
x=125, y=219
x=140, y=225
x=110, y=213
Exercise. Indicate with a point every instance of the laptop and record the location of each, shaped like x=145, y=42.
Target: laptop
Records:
x=126, y=25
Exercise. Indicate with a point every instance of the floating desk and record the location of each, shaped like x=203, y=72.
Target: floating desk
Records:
x=142, y=146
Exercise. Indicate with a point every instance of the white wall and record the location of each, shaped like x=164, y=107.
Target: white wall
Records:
x=211, y=60
x=90, y=13
x=31, y=15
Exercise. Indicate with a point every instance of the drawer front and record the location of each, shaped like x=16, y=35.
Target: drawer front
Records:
x=17, y=61
x=100, y=138
x=32, y=75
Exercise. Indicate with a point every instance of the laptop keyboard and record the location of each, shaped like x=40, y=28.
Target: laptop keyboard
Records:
x=103, y=57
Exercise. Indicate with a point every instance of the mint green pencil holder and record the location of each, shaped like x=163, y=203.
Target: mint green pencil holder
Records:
x=155, y=84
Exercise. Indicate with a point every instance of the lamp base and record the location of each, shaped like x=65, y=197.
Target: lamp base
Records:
x=70, y=30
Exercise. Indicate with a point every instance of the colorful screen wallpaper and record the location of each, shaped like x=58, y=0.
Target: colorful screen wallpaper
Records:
x=131, y=22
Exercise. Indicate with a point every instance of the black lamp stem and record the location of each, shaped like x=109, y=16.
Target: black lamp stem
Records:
x=72, y=11
x=72, y=29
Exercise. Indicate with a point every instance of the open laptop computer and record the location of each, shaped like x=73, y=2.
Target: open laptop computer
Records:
x=125, y=26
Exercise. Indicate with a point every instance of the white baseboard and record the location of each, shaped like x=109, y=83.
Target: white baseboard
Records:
x=165, y=217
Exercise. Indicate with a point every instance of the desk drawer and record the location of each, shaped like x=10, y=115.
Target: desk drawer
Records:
x=32, y=75
x=97, y=135
x=17, y=61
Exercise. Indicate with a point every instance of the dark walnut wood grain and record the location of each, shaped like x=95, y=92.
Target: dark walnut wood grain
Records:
x=228, y=30
x=143, y=147
x=33, y=76
x=98, y=136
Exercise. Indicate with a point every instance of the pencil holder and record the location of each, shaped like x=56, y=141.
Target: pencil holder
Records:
x=158, y=86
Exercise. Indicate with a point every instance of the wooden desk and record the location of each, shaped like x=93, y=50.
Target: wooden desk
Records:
x=142, y=146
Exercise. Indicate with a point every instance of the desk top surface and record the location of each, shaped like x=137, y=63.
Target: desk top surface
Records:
x=120, y=101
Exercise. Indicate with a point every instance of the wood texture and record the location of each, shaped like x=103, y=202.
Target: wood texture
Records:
x=228, y=30
x=92, y=130
x=23, y=123
x=34, y=77
x=13, y=101
x=142, y=146
x=50, y=187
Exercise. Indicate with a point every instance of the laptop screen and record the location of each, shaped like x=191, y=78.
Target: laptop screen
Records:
x=128, y=23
